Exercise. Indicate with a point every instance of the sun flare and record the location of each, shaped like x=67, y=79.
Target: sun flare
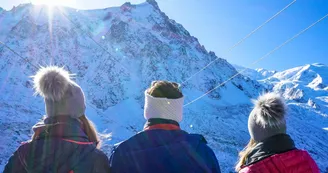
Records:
x=70, y=3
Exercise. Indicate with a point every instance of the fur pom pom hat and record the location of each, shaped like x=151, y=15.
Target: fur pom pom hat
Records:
x=268, y=117
x=62, y=96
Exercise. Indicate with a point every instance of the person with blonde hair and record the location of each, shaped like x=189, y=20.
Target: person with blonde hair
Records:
x=270, y=149
x=65, y=141
x=162, y=146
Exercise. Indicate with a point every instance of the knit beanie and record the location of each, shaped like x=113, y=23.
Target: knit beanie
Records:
x=163, y=100
x=62, y=96
x=268, y=117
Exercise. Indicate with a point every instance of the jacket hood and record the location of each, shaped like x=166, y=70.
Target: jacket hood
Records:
x=51, y=150
x=60, y=127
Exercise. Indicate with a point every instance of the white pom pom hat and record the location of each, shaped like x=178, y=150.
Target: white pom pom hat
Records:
x=268, y=117
x=62, y=96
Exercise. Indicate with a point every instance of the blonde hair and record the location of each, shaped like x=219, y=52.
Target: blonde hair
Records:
x=88, y=127
x=244, y=153
x=90, y=130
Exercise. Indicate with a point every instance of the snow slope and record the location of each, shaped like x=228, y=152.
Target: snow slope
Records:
x=116, y=53
x=255, y=74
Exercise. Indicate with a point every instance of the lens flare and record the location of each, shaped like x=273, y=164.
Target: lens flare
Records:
x=70, y=3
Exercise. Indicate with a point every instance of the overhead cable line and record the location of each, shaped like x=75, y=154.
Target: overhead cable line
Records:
x=25, y=59
x=240, y=41
x=260, y=59
x=35, y=67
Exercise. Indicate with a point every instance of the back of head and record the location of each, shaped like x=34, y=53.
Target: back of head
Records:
x=62, y=95
x=164, y=100
x=165, y=89
x=268, y=117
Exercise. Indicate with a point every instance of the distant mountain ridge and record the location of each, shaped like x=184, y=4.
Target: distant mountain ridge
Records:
x=256, y=74
x=304, y=84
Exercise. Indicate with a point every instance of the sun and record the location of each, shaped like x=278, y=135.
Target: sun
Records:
x=69, y=3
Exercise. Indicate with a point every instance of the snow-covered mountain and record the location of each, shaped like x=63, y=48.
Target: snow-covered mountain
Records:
x=305, y=85
x=116, y=53
x=305, y=88
x=255, y=74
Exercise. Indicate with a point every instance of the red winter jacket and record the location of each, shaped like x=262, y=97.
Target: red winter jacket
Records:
x=271, y=157
x=295, y=161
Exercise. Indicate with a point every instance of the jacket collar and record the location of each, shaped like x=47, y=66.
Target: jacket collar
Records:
x=60, y=127
x=159, y=123
x=155, y=139
x=274, y=145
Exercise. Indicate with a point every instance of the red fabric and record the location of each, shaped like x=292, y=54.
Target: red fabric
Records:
x=71, y=171
x=295, y=161
x=163, y=126
x=78, y=142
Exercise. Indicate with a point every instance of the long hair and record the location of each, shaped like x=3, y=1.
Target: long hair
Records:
x=88, y=127
x=90, y=130
x=244, y=153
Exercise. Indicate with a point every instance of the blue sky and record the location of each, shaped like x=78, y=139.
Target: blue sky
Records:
x=219, y=24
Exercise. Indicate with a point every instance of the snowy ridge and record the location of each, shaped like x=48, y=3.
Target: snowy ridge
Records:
x=304, y=84
x=139, y=43
x=257, y=74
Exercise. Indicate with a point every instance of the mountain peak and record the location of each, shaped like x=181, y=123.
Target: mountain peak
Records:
x=318, y=64
x=153, y=3
x=128, y=4
x=22, y=6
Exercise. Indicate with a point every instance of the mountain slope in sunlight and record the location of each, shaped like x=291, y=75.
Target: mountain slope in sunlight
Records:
x=305, y=84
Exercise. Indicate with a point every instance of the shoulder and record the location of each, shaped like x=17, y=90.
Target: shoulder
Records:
x=299, y=157
x=295, y=155
x=124, y=145
x=204, y=151
x=24, y=147
x=15, y=162
x=286, y=161
x=99, y=155
x=199, y=143
x=100, y=162
x=196, y=138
